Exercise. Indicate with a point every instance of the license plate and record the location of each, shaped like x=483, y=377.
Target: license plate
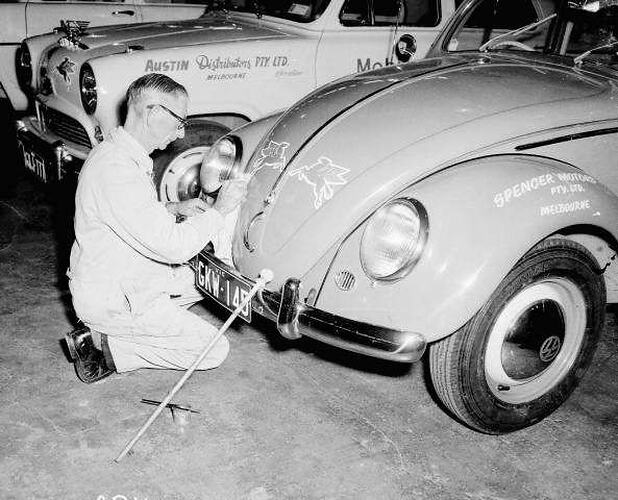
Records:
x=222, y=286
x=33, y=162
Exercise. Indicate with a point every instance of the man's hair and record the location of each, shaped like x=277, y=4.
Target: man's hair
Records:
x=153, y=82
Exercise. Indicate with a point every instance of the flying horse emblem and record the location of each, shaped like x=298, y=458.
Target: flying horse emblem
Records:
x=322, y=176
x=272, y=156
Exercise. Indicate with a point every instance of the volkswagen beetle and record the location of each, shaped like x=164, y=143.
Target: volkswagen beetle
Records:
x=466, y=204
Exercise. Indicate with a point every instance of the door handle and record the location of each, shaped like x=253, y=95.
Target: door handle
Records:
x=123, y=13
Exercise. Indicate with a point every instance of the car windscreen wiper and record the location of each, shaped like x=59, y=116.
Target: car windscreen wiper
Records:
x=216, y=6
x=578, y=60
x=259, y=8
x=487, y=45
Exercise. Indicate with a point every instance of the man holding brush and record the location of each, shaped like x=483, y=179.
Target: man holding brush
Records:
x=128, y=279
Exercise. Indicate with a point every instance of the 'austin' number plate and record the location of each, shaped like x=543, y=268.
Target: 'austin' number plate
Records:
x=33, y=162
x=222, y=286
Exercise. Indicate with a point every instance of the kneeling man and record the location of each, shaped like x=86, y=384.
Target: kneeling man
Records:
x=128, y=278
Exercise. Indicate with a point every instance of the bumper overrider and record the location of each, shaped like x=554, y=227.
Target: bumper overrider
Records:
x=295, y=318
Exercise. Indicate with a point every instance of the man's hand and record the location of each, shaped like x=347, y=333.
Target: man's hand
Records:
x=231, y=194
x=187, y=208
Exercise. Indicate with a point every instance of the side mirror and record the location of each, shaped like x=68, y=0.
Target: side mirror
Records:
x=405, y=48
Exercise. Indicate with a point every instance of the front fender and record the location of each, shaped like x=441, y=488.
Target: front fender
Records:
x=9, y=86
x=246, y=138
x=250, y=135
x=484, y=215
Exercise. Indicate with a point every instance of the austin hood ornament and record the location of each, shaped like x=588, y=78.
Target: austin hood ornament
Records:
x=73, y=31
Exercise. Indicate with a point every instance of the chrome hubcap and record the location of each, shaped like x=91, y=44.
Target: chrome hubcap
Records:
x=535, y=340
x=181, y=179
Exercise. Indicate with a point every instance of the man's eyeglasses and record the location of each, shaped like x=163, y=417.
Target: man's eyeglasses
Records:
x=182, y=122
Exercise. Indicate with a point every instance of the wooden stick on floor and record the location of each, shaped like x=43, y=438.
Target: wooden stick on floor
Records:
x=265, y=276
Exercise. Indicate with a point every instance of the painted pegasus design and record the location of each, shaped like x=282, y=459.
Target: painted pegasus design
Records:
x=322, y=176
x=272, y=156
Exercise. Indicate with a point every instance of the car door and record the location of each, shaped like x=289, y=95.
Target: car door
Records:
x=163, y=10
x=369, y=34
x=43, y=16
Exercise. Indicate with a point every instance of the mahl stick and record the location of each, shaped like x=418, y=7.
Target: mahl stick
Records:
x=266, y=275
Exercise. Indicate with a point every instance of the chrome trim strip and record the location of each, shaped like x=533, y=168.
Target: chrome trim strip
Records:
x=567, y=138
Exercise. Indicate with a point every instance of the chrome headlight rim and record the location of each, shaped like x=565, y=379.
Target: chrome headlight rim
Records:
x=45, y=84
x=407, y=264
x=88, y=89
x=217, y=167
x=24, y=68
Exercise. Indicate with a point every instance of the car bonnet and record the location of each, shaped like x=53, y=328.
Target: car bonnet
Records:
x=63, y=63
x=319, y=171
x=174, y=34
x=110, y=40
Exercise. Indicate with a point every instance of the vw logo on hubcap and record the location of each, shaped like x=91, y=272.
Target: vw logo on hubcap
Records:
x=550, y=348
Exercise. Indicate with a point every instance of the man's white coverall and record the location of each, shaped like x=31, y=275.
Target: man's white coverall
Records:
x=126, y=274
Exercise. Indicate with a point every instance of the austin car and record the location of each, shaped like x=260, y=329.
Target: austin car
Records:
x=26, y=18
x=464, y=206
x=241, y=61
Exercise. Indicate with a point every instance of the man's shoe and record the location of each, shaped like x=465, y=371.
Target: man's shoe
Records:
x=90, y=364
x=75, y=340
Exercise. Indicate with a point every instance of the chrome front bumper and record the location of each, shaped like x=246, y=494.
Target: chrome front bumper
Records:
x=295, y=318
x=60, y=159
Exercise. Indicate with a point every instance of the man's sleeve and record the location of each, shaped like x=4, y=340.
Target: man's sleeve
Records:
x=223, y=243
x=145, y=224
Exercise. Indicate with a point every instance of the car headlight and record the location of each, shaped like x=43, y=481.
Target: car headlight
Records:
x=88, y=89
x=45, y=85
x=393, y=239
x=24, y=68
x=222, y=162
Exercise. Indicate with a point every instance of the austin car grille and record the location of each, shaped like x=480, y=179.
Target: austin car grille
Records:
x=64, y=126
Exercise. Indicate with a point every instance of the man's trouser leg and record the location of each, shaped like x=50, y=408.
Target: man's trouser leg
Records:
x=160, y=333
x=166, y=336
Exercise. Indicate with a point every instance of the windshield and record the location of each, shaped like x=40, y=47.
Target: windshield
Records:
x=303, y=11
x=591, y=33
x=487, y=24
x=586, y=30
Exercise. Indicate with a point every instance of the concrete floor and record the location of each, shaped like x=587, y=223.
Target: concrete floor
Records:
x=278, y=420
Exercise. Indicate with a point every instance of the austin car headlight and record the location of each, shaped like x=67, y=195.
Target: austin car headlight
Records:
x=45, y=85
x=24, y=67
x=88, y=89
x=220, y=163
x=393, y=239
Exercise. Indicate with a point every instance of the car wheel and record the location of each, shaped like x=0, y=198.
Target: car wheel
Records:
x=176, y=169
x=520, y=357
